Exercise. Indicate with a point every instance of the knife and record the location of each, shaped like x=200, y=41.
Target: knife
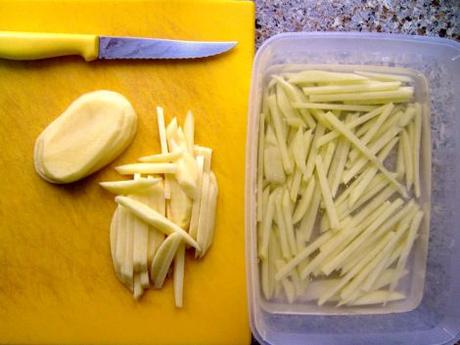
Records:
x=34, y=46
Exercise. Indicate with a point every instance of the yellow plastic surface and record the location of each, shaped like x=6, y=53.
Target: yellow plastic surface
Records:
x=57, y=284
x=32, y=46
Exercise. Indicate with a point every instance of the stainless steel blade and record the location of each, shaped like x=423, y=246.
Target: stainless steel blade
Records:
x=112, y=47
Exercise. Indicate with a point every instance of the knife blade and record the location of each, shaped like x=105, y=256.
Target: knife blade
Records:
x=34, y=46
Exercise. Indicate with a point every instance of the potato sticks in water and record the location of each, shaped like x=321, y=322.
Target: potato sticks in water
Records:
x=338, y=186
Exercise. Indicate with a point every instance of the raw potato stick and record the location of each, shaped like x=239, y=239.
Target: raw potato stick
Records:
x=260, y=165
x=281, y=226
x=284, y=105
x=287, y=215
x=407, y=158
x=384, y=76
x=129, y=186
x=402, y=92
x=163, y=142
x=302, y=205
x=309, y=219
x=179, y=262
x=194, y=218
x=141, y=232
x=267, y=226
x=127, y=269
x=288, y=286
x=299, y=150
x=416, y=148
x=163, y=259
x=202, y=219
x=314, y=76
x=319, y=131
x=365, y=87
x=138, y=290
x=189, y=131
x=326, y=193
x=276, y=118
x=147, y=168
x=415, y=224
x=337, y=173
x=212, y=208
x=296, y=96
x=333, y=106
x=400, y=168
x=295, y=186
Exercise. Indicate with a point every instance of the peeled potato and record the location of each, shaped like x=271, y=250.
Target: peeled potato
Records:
x=88, y=135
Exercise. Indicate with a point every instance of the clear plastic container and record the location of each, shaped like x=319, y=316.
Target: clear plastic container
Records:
x=431, y=313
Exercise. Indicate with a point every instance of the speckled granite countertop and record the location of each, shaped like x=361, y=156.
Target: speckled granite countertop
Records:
x=422, y=17
x=417, y=17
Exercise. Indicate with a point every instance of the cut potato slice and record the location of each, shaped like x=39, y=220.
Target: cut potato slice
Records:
x=288, y=286
x=267, y=226
x=147, y=168
x=154, y=218
x=114, y=228
x=416, y=148
x=129, y=186
x=402, y=93
x=314, y=76
x=334, y=106
x=127, y=268
x=260, y=166
x=295, y=95
x=189, y=131
x=180, y=205
x=384, y=76
x=326, y=193
x=362, y=87
x=304, y=202
x=376, y=297
x=309, y=219
x=319, y=131
x=168, y=157
x=138, y=290
x=202, y=219
x=211, y=212
x=194, y=218
x=273, y=165
x=163, y=259
x=281, y=227
x=288, y=224
x=140, y=242
x=179, y=263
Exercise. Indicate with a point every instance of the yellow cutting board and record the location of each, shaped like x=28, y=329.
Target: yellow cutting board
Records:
x=56, y=279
